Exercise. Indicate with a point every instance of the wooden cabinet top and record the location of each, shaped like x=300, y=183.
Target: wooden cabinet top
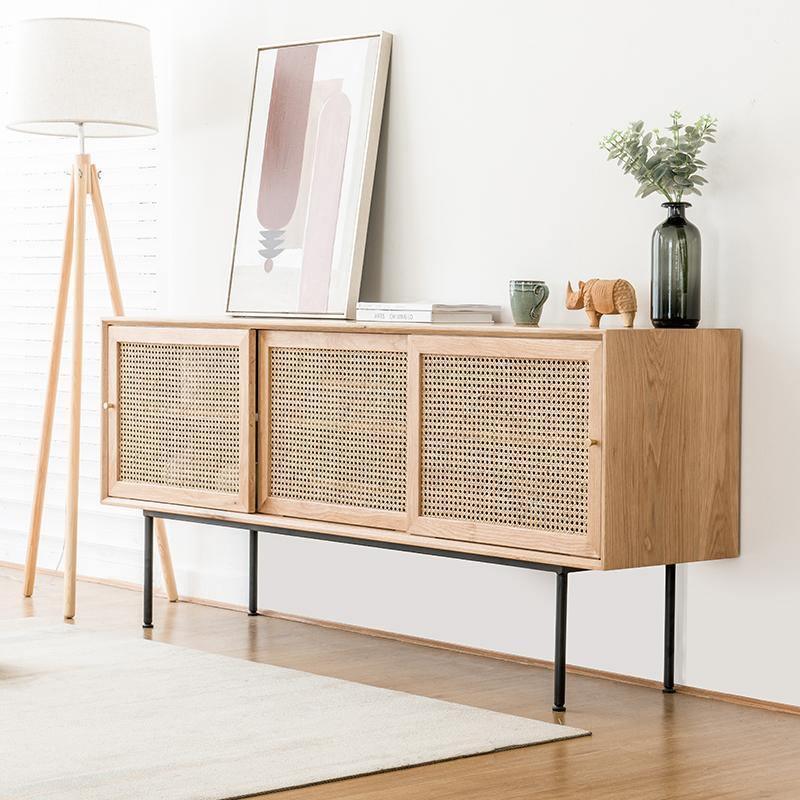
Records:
x=415, y=328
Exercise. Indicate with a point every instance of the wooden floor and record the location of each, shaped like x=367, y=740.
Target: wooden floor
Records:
x=645, y=745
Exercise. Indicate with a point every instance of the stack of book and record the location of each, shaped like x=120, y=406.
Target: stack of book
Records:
x=426, y=312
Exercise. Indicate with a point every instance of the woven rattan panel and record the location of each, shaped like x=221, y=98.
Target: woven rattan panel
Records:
x=179, y=415
x=338, y=427
x=504, y=441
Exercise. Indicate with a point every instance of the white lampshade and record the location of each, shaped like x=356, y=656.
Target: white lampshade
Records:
x=92, y=71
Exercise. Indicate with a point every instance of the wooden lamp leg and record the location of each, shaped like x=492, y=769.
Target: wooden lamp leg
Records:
x=116, y=300
x=34, y=530
x=73, y=474
x=105, y=243
x=170, y=587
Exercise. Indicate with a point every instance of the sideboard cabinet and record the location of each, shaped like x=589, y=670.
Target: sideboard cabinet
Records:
x=577, y=449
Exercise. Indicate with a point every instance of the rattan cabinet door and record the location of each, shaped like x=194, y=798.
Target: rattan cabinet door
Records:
x=332, y=429
x=180, y=416
x=505, y=446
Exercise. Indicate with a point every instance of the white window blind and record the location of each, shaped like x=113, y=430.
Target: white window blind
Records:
x=34, y=183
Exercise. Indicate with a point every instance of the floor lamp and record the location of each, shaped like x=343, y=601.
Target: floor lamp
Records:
x=80, y=78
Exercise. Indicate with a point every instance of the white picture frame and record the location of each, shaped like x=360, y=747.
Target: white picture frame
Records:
x=283, y=261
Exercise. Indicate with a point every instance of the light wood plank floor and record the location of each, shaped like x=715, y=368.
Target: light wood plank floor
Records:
x=645, y=745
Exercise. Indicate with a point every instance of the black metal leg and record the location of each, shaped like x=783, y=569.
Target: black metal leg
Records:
x=253, y=604
x=560, y=660
x=669, y=629
x=147, y=615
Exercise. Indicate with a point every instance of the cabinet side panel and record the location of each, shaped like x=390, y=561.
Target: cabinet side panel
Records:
x=671, y=446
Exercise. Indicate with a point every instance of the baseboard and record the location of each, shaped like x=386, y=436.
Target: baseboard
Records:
x=590, y=672
x=117, y=584
x=574, y=669
x=115, y=556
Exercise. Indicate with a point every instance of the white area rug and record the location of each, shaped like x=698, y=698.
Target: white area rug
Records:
x=90, y=716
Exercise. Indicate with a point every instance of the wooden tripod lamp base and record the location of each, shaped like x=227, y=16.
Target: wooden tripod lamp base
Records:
x=84, y=183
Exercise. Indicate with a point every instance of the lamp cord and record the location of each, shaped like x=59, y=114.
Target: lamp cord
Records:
x=60, y=557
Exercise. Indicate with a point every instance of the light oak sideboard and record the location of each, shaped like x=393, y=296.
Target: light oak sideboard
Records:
x=562, y=450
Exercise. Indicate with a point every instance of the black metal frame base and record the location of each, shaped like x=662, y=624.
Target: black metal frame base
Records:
x=561, y=573
x=669, y=629
x=560, y=656
x=252, y=606
x=147, y=610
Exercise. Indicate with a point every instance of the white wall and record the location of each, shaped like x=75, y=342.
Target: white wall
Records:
x=489, y=169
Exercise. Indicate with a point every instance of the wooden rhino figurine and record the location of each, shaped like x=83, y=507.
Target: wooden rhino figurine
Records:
x=604, y=297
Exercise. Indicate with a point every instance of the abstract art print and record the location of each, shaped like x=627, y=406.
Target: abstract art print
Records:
x=309, y=166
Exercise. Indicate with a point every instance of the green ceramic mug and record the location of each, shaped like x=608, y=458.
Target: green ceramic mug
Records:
x=527, y=301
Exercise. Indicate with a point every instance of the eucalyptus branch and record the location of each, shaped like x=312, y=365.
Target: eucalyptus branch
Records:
x=668, y=164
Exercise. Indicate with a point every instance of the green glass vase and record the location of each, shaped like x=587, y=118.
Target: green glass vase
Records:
x=675, y=278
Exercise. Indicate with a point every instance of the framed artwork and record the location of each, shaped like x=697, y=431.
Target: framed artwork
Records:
x=312, y=142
